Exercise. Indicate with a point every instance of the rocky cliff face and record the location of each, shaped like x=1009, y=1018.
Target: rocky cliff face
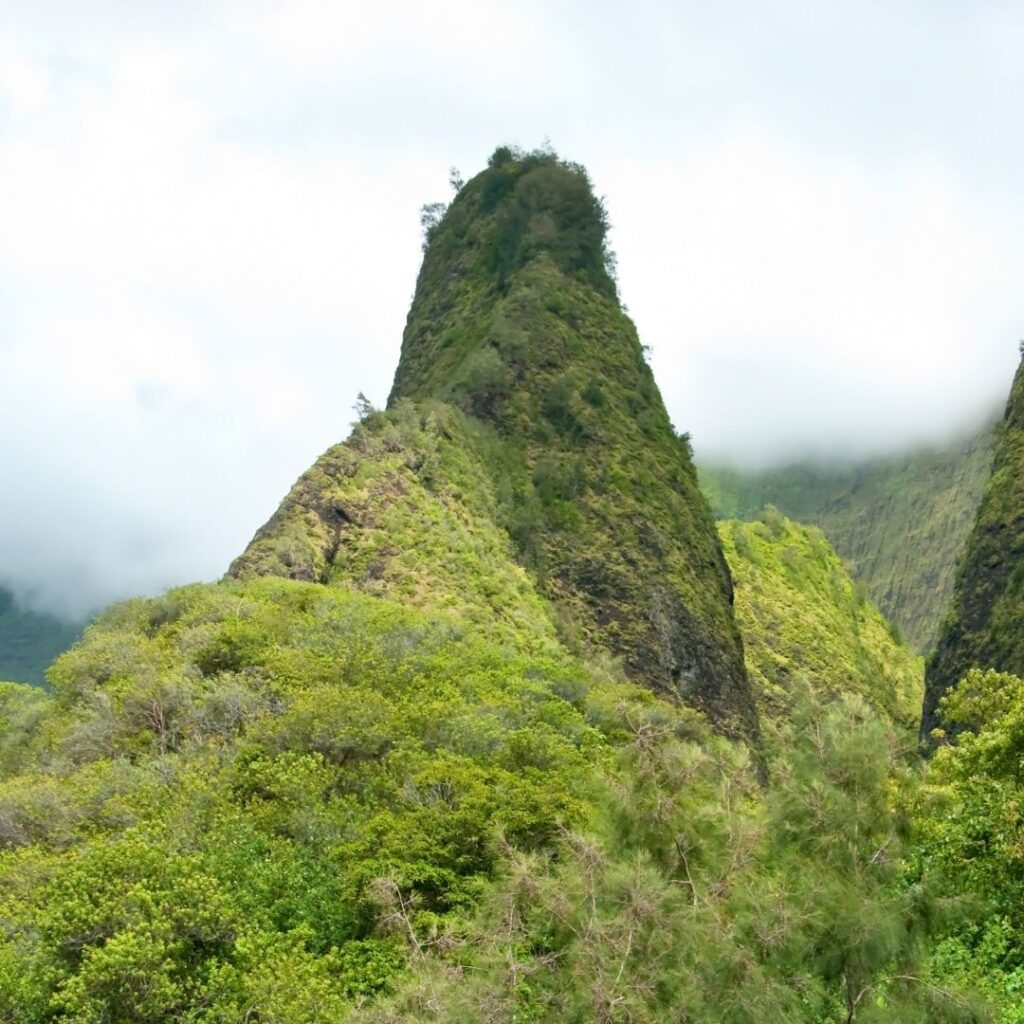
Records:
x=541, y=431
x=985, y=627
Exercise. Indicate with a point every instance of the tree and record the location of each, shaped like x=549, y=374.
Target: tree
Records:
x=431, y=215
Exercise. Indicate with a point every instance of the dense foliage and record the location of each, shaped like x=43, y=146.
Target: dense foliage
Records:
x=899, y=522
x=970, y=838
x=806, y=624
x=398, y=766
x=983, y=629
x=699, y=897
x=229, y=780
x=287, y=802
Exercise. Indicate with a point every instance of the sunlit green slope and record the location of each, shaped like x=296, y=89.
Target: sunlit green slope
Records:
x=899, y=522
x=806, y=624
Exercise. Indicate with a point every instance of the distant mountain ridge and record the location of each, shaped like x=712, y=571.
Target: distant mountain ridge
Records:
x=30, y=640
x=900, y=522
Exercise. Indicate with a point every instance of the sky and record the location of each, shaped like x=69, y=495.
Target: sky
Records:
x=211, y=236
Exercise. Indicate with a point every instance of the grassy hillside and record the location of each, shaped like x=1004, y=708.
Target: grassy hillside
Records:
x=899, y=523
x=29, y=641
x=984, y=626
x=806, y=624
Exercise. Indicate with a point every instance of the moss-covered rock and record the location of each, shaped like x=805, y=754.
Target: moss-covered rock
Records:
x=985, y=628
x=517, y=321
x=549, y=430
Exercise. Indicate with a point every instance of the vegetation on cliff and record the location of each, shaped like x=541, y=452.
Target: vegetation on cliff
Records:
x=806, y=624
x=899, y=522
x=983, y=628
x=516, y=328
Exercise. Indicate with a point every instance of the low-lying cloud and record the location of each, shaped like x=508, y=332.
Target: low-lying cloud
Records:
x=211, y=237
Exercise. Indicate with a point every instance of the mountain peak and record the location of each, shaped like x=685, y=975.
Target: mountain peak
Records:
x=517, y=343
x=530, y=215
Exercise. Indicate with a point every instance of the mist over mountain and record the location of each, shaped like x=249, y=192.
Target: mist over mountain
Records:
x=899, y=521
x=489, y=720
x=29, y=641
x=212, y=230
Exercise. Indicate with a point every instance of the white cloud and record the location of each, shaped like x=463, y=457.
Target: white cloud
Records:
x=797, y=305
x=23, y=83
x=210, y=235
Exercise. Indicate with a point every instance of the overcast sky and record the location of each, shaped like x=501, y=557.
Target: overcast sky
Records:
x=210, y=235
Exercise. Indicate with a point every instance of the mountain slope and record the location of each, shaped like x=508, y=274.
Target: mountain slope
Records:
x=899, y=522
x=806, y=624
x=409, y=783
x=515, y=323
x=405, y=509
x=983, y=629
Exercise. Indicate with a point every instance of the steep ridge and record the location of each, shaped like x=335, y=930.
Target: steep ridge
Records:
x=983, y=628
x=406, y=510
x=900, y=522
x=806, y=624
x=516, y=328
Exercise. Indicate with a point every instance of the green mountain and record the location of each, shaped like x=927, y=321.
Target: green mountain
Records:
x=983, y=629
x=899, y=522
x=565, y=443
x=464, y=734
x=805, y=624
x=29, y=640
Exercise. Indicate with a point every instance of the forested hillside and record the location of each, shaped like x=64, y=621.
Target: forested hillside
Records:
x=805, y=623
x=474, y=731
x=984, y=625
x=900, y=522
